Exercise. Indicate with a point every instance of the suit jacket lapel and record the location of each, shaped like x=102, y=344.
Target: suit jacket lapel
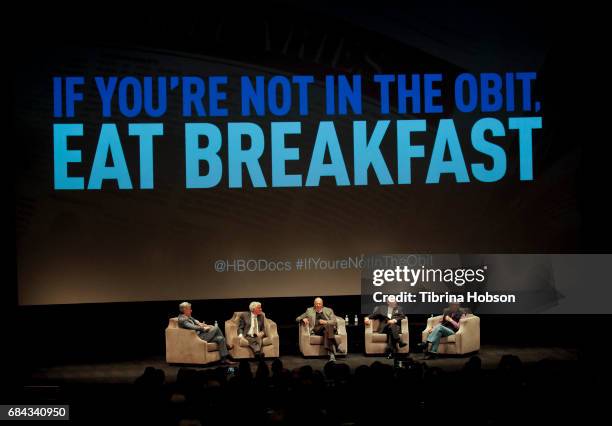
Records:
x=261, y=323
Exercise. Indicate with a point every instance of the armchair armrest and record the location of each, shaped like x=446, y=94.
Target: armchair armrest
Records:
x=469, y=325
x=431, y=323
x=368, y=331
x=304, y=329
x=231, y=331
x=187, y=334
x=194, y=338
x=272, y=332
x=271, y=329
x=468, y=335
x=341, y=326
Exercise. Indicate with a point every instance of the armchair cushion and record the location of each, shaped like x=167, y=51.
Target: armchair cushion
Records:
x=379, y=338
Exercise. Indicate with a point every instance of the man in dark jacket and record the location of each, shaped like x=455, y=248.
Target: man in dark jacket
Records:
x=251, y=326
x=389, y=318
x=209, y=333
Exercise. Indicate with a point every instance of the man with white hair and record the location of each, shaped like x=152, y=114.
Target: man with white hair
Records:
x=251, y=326
x=209, y=333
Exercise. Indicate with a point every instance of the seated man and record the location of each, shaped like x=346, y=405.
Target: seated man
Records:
x=252, y=328
x=389, y=318
x=449, y=326
x=209, y=333
x=322, y=322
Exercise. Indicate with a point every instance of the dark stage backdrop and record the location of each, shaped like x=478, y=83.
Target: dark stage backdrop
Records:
x=162, y=244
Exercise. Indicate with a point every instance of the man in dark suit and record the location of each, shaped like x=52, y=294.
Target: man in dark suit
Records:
x=209, y=333
x=389, y=318
x=252, y=327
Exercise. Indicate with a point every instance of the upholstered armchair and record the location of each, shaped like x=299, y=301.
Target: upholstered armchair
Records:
x=185, y=347
x=376, y=343
x=240, y=345
x=312, y=345
x=464, y=341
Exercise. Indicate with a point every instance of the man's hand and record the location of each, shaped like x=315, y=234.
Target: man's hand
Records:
x=260, y=334
x=305, y=321
x=366, y=321
x=205, y=327
x=322, y=322
x=392, y=321
x=448, y=319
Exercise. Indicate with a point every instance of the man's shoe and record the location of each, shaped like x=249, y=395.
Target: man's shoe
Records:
x=227, y=362
x=431, y=355
x=389, y=352
x=402, y=344
x=423, y=346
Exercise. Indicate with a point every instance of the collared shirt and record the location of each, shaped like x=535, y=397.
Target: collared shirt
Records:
x=254, y=329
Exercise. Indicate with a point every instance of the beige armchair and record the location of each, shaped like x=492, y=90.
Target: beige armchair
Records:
x=464, y=341
x=312, y=345
x=185, y=347
x=240, y=345
x=376, y=343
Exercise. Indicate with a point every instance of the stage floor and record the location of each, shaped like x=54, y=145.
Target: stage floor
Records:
x=128, y=371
